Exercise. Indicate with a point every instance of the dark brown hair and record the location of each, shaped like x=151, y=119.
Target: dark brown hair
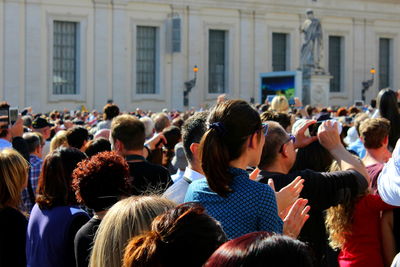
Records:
x=374, y=131
x=101, y=181
x=183, y=236
x=129, y=130
x=110, y=111
x=55, y=180
x=231, y=123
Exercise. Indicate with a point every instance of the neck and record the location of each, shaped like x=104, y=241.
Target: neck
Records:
x=132, y=152
x=374, y=156
x=277, y=166
x=100, y=214
x=240, y=163
x=196, y=167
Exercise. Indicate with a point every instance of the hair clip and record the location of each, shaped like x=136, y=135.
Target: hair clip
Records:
x=219, y=126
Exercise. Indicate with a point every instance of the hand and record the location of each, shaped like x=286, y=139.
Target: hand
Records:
x=301, y=139
x=254, y=174
x=296, y=217
x=287, y=195
x=17, y=129
x=157, y=141
x=328, y=135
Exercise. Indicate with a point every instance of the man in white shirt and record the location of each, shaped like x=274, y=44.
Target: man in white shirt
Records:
x=192, y=132
x=389, y=179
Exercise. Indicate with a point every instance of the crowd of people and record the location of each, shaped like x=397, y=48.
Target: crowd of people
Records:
x=235, y=185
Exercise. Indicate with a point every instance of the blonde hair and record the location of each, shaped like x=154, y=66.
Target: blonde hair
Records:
x=280, y=104
x=59, y=140
x=339, y=219
x=13, y=177
x=127, y=218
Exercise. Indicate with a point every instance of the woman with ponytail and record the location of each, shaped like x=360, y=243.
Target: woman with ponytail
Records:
x=127, y=218
x=234, y=141
x=183, y=236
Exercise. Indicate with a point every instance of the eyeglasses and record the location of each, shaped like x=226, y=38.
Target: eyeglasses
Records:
x=264, y=128
x=291, y=138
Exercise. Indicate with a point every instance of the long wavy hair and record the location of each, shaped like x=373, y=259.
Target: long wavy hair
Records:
x=339, y=219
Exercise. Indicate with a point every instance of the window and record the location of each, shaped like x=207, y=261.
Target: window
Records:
x=335, y=62
x=146, y=60
x=384, y=62
x=65, y=57
x=279, y=51
x=217, y=61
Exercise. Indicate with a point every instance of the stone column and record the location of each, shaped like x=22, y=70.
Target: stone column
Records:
x=247, y=82
x=319, y=89
x=260, y=51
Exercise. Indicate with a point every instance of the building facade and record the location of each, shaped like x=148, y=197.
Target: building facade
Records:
x=57, y=54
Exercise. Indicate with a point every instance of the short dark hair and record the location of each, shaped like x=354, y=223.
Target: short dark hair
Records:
x=261, y=248
x=55, y=180
x=273, y=141
x=193, y=130
x=284, y=119
x=110, y=111
x=76, y=136
x=129, y=130
x=32, y=141
x=374, y=131
x=96, y=146
x=101, y=181
x=161, y=121
x=173, y=135
x=184, y=235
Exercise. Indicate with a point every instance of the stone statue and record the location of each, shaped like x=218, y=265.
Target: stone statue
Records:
x=312, y=47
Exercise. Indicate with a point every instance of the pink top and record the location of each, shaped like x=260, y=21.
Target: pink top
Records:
x=363, y=246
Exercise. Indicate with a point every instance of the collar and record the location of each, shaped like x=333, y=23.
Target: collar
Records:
x=5, y=144
x=135, y=158
x=192, y=175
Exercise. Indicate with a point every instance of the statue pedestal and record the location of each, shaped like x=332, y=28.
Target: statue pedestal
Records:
x=319, y=89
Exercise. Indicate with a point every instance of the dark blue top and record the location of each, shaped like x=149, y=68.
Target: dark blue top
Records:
x=50, y=235
x=249, y=208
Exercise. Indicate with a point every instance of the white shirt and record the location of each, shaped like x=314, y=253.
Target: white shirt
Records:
x=177, y=191
x=389, y=179
x=4, y=144
x=177, y=176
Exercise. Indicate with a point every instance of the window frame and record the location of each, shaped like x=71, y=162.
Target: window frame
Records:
x=81, y=62
x=160, y=60
x=226, y=62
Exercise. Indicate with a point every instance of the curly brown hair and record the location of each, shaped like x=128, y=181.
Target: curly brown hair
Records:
x=101, y=181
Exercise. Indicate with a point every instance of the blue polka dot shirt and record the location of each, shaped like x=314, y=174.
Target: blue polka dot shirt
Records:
x=249, y=208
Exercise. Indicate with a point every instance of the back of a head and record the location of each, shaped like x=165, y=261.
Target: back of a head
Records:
x=358, y=119
x=374, y=131
x=32, y=141
x=100, y=181
x=110, y=111
x=59, y=140
x=13, y=177
x=129, y=130
x=284, y=119
x=161, y=121
x=314, y=157
x=262, y=249
x=388, y=108
x=148, y=126
x=275, y=138
x=96, y=146
x=126, y=219
x=230, y=124
x=280, y=104
x=55, y=180
x=185, y=235
x=173, y=136
x=193, y=130
x=77, y=136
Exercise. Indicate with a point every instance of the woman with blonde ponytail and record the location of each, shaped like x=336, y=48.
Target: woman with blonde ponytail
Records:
x=183, y=236
x=127, y=218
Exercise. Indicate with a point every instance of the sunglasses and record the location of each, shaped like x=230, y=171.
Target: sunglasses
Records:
x=291, y=138
x=264, y=128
